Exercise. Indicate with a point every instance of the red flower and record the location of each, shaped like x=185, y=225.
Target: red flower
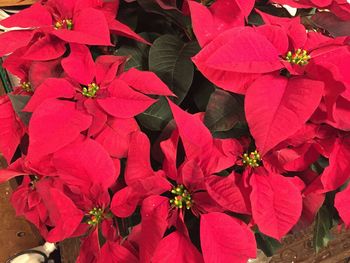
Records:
x=238, y=56
x=195, y=188
x=97, y=94
x=63, y=187
x=51, y=23
x=40, y=199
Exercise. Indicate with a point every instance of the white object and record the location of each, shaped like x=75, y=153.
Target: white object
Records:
x=291, y=10
x=47, y=249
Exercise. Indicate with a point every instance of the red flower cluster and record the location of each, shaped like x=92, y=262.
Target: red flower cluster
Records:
x=86, y=164
x=339, y=7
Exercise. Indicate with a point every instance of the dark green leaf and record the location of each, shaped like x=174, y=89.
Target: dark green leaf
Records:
x=137, y=53
x=267, y=244
x=223, y=111
x=240, y=129
x=202, y=92
x=170, y=59
x=330, y=22
x=18, y=103
x=157, y=116
x=322, y=228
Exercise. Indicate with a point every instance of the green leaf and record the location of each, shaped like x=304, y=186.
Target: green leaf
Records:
x=322, y=228
x=157, y=116
x=170, y=59
x=202, y=90
x=224, y=111
x=240, y=129
x=18, y=104
x=267, y=244
x=137, y=53
x=330, y=22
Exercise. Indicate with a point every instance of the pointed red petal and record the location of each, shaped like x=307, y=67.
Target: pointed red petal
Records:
x=34, y=16
x=115, y=137
x=65, y=216
x=169, y=149
x=76, y=166
x=51, y=88
x=240, y=49
x=341, y=203
x=276, y=204
x=231, y=81
x=226, y=239
x=338, y=170
x=124, y=102
x=46, y=48
x=99, y=117
x=15, y=169
x=138, y=165
x=11, y=129
x=196, y=138
x=114, y=252
x=123, y=30
x=220, y=16
x=146, y=82
x=277, y=107
x=89, y=248
x=90, y=27
x=125, y=201
x=192, y=176
x=63, y=124
x=225, y=192
x=79, y=65
x=176, y=248
x=154, y=213
x=107, y=67
x=12, y=40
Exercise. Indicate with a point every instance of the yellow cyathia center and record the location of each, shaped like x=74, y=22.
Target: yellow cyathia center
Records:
x=96, y=216
x=91, y=90
x=26, y=86
x=64, y=24
x=252, y=159
x=299, y=57
x=182, y=198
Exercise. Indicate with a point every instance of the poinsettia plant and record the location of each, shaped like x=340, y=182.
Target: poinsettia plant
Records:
x=178, y=131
